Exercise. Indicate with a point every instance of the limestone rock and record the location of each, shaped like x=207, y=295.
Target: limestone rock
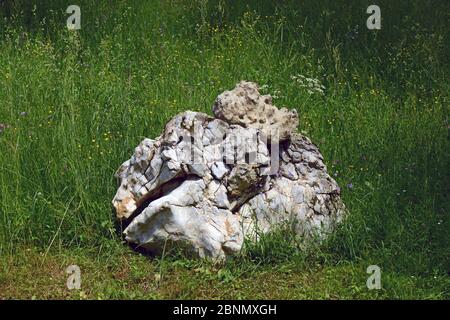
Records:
x=205, y=184
x=245, y=106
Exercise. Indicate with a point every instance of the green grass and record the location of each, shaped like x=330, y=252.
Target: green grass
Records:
x=121, y=274
x=77, y=103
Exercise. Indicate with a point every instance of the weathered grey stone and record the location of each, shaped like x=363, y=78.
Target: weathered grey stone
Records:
x=218, y=169
x=206, y=184
x=246, y=107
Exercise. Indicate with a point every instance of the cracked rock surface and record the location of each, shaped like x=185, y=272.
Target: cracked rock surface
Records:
x=206, y=183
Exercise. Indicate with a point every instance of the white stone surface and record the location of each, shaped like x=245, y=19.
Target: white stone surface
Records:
x=206, y=184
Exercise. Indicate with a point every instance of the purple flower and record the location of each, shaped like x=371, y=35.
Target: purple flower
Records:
x=350, y=185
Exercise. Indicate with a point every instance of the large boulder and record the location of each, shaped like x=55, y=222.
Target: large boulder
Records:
x=207, y=183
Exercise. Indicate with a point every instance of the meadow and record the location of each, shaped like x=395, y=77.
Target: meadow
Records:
x=75, y=103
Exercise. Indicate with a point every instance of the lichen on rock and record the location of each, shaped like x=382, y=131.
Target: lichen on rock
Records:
x=207, y=183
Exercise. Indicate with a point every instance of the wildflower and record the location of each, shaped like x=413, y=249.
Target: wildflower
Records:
x=312, y=85
x=23, y=113
x=277, y=94
x=350, y=185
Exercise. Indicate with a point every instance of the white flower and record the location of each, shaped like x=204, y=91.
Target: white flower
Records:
x=311, y=84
